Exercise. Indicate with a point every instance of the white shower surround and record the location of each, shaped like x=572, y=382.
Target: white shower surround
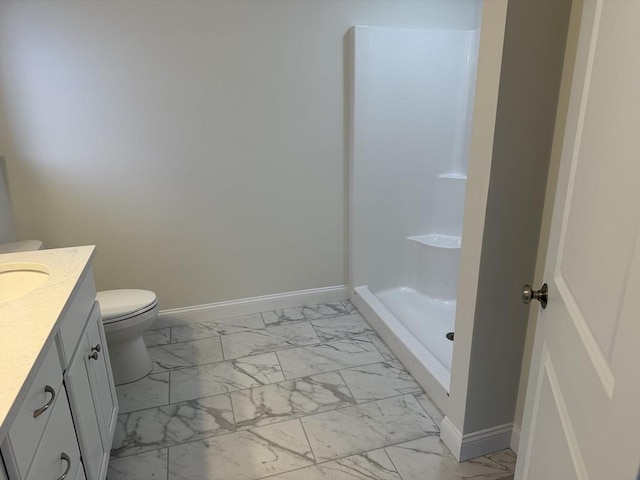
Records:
x=412, y=96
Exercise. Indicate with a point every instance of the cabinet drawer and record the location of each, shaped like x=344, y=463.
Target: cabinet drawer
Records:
x=26, y=430
x=58, y=451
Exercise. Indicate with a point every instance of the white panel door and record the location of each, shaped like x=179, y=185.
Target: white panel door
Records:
x=582, y=413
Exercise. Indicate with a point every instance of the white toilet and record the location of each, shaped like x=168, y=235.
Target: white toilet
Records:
x=126, y=314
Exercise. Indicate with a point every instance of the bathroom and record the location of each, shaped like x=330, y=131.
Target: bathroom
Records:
x=204, y=148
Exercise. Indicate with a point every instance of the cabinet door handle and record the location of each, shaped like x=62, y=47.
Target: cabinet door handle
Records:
x=65, y=457
x=94, y=356
x=44, y=408
x=97, y=348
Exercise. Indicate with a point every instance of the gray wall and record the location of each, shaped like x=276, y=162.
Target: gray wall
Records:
x=200, y=144
x=532, y=64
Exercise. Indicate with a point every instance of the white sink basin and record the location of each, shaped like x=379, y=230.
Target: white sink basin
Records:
x=19, y=279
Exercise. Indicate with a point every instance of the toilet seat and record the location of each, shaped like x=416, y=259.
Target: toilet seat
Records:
x=126, y=315
x=119, y=305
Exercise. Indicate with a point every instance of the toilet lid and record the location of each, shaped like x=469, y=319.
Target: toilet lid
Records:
x=120, y=304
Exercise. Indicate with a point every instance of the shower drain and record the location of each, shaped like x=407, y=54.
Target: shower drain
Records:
x=449, y=336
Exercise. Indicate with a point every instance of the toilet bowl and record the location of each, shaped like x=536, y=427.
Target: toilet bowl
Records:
x=126, y=314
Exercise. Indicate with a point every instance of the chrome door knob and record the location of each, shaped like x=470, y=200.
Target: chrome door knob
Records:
x=541, y=295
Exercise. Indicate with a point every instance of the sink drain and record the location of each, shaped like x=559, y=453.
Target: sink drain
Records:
x=449, y=336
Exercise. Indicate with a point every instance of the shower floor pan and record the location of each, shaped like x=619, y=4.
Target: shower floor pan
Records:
x=414, y=327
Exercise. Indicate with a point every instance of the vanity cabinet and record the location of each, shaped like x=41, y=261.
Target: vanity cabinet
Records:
x=65, y=418
x=42, y=442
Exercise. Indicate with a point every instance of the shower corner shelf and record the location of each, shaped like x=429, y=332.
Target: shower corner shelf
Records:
x=438, y=240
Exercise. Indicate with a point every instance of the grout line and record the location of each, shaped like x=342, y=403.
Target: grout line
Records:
x=281, y=369
x=391, y=460
x=425, y=410
x=347, y=385
x=168, y=462
x=315, y=459
x=221, y=350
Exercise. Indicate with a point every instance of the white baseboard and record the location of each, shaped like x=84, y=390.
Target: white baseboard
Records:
x=475, y=444
x=515, y=439
x=248, y=306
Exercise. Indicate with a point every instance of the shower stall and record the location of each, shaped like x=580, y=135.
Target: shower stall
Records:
x=411, y=100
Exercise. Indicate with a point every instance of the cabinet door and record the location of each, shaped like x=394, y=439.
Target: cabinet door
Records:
x=93, y=397
x=76, y=379
x=58, y=451
x=101, y=378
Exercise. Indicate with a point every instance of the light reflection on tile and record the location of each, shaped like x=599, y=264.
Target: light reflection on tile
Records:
x=369, y=426
x=304, y=361
x=290, y=399
x=148, y=466
x=269, y=339
x=149, y=391
x=379, y=380
x=428, y=457
x=313, y=312
x=374, y=465
x=342, y=328
x=223, y=377
x=245, y=455
x=214, y=328
x=186, y=354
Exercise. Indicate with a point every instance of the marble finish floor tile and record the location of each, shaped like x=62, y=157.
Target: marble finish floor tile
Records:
x=244, y=455
x=159, y=336
x=431, y=408
x=186, y=354
x=373, y=465
x=269, y=339
x=428, y=457
x=312, y=312
x=305, y=361
x=213, y=379
x=148, y=466
x=379, y=380
x=290, y=399
x=213, y=328
x=149, y=391
x=161, y=427
x=382, y=347
x=309, y=393
x=349, y=307
x=365, y=427
x=341, y=328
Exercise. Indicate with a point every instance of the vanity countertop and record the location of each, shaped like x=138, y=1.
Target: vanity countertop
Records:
x=28, y=324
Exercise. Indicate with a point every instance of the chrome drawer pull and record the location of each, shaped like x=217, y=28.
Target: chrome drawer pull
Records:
x=43, y=408
x=65, y=457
